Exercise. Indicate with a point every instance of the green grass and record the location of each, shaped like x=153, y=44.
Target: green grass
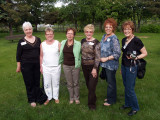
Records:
x=13, y=99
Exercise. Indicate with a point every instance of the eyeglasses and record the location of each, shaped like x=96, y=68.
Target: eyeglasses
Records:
x=49, y=34
x=88, y=31
x=109, y=27
x=128, y=29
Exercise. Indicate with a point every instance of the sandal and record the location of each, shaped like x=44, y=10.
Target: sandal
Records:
x=46, y=102
x=57, y=101
x=106, y=104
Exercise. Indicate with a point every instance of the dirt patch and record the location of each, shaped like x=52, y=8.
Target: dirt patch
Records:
x=143, y=36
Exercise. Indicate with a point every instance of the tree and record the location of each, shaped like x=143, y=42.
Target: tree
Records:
x=13, y=12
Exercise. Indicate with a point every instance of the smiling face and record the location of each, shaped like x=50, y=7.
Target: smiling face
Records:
x=28, y=31
x=109, y=29
x=70, y=35
x=49, y=35
x=88, y=33
x=128, y=32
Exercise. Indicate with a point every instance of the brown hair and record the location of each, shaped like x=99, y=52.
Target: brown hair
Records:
x=74, y=30
x=130, y=23
x=112, y=22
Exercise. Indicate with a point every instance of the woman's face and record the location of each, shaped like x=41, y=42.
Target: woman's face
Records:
x=128, y=31
x=109, y=29
x=70, y=35
x=49, y=35
x=28, y=31
x=88, y=33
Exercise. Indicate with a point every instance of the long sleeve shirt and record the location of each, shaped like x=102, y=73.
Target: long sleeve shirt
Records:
x=90, y=52
x=110, y=47
x=28, y=52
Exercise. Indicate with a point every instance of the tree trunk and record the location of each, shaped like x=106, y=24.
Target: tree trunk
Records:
x=75, y=24
x=139, y=22
x=10, y=29
x=35, y=27
x=100, y=26
x=134, y=19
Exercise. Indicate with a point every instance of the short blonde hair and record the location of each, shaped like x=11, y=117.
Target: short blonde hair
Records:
x=90, y=27
x=25, y=24
x=49, y=29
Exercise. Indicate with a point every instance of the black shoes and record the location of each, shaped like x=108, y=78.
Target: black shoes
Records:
x=132, y=112
x=123, y=107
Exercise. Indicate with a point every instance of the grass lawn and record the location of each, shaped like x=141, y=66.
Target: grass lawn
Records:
x=13, y=99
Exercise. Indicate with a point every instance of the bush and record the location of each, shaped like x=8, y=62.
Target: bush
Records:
x=150, y=29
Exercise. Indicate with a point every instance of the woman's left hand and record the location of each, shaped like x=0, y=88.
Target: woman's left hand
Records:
x=94, y=72
x=104, y=59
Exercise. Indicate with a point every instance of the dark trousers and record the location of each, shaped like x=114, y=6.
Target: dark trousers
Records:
x=129, y=75
x=111, y=88
x=91, y=83
x=31, y=76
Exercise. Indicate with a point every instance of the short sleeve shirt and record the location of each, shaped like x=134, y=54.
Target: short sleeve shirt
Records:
x=134, y=46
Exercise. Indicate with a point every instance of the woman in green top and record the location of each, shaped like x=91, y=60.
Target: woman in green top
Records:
x=71, y=59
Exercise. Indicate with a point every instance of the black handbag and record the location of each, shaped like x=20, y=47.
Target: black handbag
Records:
x=141, y=68
x=103, y=74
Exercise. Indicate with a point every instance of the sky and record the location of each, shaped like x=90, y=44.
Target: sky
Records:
x=59, y=4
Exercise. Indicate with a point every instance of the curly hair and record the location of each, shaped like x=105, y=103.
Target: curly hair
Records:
x=112, y=22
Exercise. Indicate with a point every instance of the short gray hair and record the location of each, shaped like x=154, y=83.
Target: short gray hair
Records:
x=25, y=24
x=48, y=29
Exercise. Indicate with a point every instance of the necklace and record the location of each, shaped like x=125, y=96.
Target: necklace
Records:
x=127, y=40
x=69, y=45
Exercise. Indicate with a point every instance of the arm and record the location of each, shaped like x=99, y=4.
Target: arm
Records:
x=59, y=46
x=41, y=59
x=18, y=57
x=116, y=51
x=97, y=60
x=18, y=67
x=143, y=53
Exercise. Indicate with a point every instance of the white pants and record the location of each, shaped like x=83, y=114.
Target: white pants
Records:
x=51, y=77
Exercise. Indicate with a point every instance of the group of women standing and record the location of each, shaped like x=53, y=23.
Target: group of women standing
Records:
x=34, y=57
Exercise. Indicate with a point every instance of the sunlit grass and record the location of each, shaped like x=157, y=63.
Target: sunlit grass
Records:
x=13, y=99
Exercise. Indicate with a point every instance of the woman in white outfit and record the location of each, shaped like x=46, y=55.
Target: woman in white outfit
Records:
x=49, y=65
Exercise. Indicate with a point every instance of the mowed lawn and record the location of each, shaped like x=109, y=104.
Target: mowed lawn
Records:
x=13, y=99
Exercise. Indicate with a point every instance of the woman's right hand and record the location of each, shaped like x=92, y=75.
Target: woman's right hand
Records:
x=18, y=69
x=41, y=70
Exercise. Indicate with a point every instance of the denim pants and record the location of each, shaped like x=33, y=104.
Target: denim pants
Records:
x=111, y=88
x=129, y=77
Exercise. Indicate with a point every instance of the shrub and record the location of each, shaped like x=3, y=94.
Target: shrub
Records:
x=150, y=29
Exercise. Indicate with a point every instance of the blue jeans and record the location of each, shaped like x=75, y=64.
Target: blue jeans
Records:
x=111, y=88
x=129, y=78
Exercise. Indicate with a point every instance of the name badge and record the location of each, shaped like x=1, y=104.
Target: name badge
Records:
x=124, y=47
x=91, y=43
x=108, y=39
x=23, y=43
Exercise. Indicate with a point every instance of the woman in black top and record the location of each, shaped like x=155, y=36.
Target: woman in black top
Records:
x=28, y=62
x=133, y=49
